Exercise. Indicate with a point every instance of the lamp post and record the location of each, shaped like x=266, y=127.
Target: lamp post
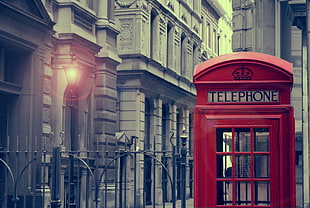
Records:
x=55, y=192
x=183, y=167
x=73, y=75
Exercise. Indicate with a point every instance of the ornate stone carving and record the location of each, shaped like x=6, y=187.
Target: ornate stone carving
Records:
x=125, y=3
x=126, y=34
x=184, y=18
x=170, y=6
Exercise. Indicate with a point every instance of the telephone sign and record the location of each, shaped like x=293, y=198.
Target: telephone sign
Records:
x=243, y=96
x=244, y=143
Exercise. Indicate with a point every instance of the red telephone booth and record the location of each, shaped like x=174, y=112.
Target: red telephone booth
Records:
x=244, y=143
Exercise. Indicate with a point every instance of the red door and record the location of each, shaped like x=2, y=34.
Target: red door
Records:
x=244, y=154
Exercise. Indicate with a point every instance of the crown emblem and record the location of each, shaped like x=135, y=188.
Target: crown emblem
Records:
x=242, y=73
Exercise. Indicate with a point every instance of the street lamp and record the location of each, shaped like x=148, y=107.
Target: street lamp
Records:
x=183, y=166
x=73, y=74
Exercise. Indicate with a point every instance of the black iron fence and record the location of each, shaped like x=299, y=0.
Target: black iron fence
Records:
x=119, y=177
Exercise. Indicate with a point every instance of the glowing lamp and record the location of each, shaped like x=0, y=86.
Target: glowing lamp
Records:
x=73, y=73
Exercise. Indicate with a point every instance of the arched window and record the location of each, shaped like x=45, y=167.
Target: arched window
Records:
x=203, y=28
x=153, y=35
x=195, y=57
x=214, y=48
x=183, y=55
x=208, y=35
x=170, y=42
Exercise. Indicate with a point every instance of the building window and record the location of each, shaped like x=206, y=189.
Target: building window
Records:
x=165, y=126
x=11, y=78
x=147, y=124
x=148, y=161
x=218, y=45
x=178, y=129
x=214, y=41
x=183, y=55
x=191, y=135
x=153, y=35
x=208, y=39
x=11, y=62
x=195, y=46
x=169, y=46
x=203, y=28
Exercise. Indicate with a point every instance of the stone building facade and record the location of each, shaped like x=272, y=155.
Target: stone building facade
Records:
x=160, y=42
x=25, y=39
x=131, y=107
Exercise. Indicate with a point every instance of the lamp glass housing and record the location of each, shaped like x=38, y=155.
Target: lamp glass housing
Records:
x=73, y=74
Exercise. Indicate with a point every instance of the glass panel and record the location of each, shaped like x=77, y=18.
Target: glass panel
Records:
x=223, y=140
x=243, y=193
x=224, y=193
x=224, y=166
x=243, y=166
x=242, y=140
x=261, y=139
x=262, y=193
x=261, y=166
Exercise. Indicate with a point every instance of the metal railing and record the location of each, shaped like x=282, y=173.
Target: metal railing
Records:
x=107, y=179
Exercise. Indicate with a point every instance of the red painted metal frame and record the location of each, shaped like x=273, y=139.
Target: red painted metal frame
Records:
x=271, y=124
x=269, y=73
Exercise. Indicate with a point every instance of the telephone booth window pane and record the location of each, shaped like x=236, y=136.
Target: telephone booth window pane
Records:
x=243, y=166
x=262, y=193
x=261, y=139
x=224, y=193
x=261, y=165
x=242, y=140
x=223, y=140
x=224, y=166
x=243, y=193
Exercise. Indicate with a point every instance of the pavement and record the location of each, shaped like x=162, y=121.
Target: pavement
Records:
x=189, y=204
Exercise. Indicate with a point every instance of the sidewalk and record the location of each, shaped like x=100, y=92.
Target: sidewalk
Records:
x=189, y=204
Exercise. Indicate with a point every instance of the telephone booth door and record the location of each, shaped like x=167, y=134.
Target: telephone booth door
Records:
x=245, y=151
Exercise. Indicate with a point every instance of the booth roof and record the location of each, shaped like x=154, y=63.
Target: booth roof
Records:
x=228, y=59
